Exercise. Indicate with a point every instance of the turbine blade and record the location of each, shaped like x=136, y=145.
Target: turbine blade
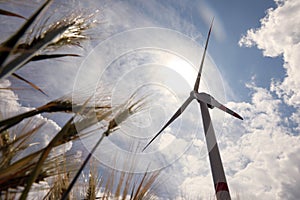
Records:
x=196, y=86
x=177, y=114
x=225, y=109
x=206, y=98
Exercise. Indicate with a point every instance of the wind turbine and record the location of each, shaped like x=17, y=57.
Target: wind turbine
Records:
x=207, y=101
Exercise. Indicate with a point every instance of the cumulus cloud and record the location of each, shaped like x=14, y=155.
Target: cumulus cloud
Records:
x=259, y=162
x=279, y=35
x=273, y=150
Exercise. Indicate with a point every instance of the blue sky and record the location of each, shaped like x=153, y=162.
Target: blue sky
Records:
x=237, y=17
x=252, y=67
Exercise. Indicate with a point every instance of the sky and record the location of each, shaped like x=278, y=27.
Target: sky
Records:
x=156, y=47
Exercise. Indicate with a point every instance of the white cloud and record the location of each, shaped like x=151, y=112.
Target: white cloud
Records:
x=276, y=147
x=260, y=156
x=272, y=148
x=278, y=35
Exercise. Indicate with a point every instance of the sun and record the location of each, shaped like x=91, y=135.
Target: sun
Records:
x=188, y=71
x=184, y=68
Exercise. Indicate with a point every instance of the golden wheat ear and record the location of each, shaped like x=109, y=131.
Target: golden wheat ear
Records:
x=10, y=44
x=26, y=56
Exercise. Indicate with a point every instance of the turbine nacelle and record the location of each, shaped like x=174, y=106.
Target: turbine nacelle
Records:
x=204, y=97
x=210, y=106
x=211, y=102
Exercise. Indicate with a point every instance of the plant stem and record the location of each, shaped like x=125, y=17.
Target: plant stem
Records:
x=66, y=193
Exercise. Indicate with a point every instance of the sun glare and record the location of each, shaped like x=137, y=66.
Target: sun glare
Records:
x=184, y=68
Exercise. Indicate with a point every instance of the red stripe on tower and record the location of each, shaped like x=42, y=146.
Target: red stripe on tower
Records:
x=221, y=186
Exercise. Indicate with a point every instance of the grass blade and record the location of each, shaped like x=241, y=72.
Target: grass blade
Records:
x=29, y=83
x=11, y=148
x=59, y=105
x=10, y=122
x=12, y=41
x=66, y=193
x=140, y=186
x=15, y=167
x=49, y=107
x=8, y=13
x=44, y=57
